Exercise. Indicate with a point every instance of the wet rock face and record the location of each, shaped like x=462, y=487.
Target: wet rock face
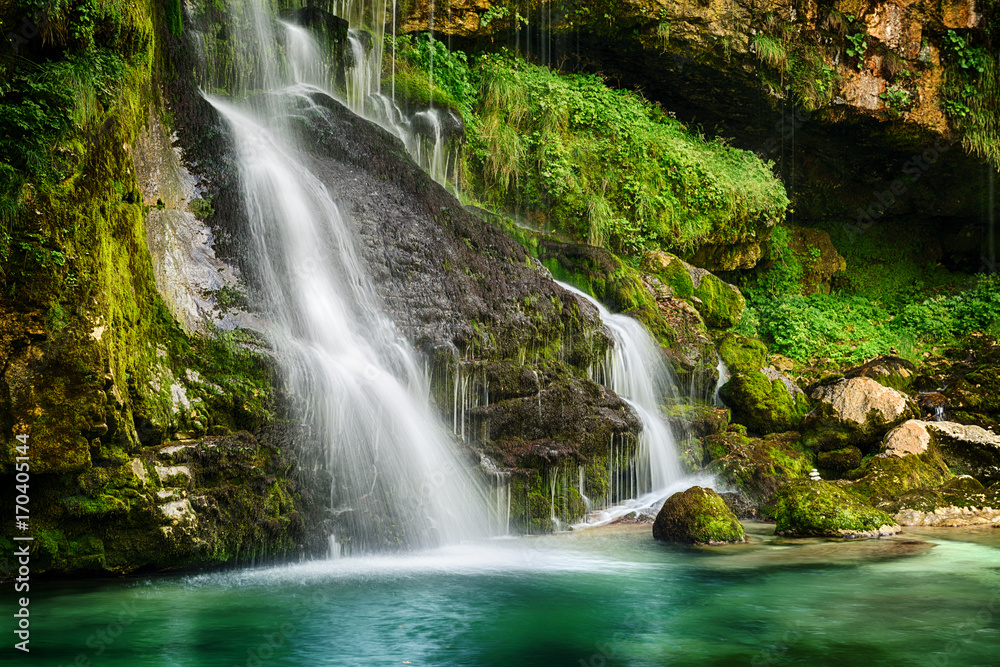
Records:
x=196, y=502
x=697, y=516
x=438, y=267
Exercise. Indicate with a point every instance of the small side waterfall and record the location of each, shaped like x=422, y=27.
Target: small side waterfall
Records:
x=636, y=371
x=724, y=376
x=424, y=133
x=396, y=477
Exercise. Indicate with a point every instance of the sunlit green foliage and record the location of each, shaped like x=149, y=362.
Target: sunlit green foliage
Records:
x=601, y=165
x=887, y=298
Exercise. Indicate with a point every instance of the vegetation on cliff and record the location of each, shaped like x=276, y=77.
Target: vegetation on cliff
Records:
x=601, y=165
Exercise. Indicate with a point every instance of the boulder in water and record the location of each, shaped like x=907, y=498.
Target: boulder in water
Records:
x=822, y=509
x=697, y=516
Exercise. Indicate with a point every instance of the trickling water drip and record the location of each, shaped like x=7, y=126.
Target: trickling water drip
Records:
x=938, y=414
x=396, y=479
x=723, y=371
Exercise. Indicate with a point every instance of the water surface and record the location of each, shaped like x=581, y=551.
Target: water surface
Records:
x=609, y=596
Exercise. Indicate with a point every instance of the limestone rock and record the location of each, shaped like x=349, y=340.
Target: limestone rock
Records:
x=972, y=448
x=854, y=411
x=910, y=437
x=889, y=371
x=697, y=516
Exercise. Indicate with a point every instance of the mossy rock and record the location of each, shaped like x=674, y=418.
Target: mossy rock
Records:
x=742, y=354
x=882, y=478
x=671, y=270
x=889, y=371
x=697, y=516
x=854, y=411
x=840, y=460
x=763, y=404
x=721, y=304
x=822, y=509
x=975, y=398
x=757, y=466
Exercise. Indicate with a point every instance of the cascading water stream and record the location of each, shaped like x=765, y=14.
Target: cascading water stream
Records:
x=724, y=376
x=396, y=477
x=636, y=371
x=424, y=133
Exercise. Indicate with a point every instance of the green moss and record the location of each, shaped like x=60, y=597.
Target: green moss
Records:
x=758, y=466
x=720, y=304
x=840, y=460
x=671, y=271
x=883, y=478
x=414, y=90
x=742, y=354
x=821, y=509
x=697, y=516
x=763, y=405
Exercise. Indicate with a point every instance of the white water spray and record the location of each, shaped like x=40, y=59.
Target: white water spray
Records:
x=396, y=476
x=636, y=371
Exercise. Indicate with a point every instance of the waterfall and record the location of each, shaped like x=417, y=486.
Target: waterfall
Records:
x=724, y=376
x=636, y=371
x=396, y=477
x=424, y=133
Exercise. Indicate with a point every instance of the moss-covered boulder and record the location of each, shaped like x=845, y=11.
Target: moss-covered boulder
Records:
x=742, y=354
x=889, y=371
x=885, y=477
x=765, y=401
x=840, y=460
x=697, y=516
x=822, y=509
x=975, y=397
x=855, y=411
x=756, y=466
x=671, y=270
x=720, y=303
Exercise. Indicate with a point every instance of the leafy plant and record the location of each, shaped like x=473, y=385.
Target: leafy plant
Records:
x=967, y=56
x=858, y=47
x=896, y=99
